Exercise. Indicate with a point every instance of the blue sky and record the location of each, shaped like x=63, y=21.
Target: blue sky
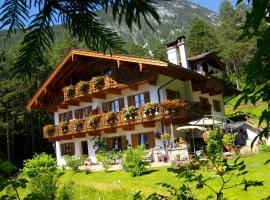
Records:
x=211, y=4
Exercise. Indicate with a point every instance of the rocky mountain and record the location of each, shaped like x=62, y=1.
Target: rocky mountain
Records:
x=175, y=16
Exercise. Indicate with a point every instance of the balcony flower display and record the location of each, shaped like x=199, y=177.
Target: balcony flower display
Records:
x=111, y=117
x=93, y=120
x=175, y=105
x=83, y=87
x=77, y=124
x=98, y=82
x=151, y=109
x=70, y=91
x=130, y=113
x=48, y=129
x=63, y=127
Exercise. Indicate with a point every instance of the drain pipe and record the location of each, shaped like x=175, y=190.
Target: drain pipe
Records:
x=158, y=92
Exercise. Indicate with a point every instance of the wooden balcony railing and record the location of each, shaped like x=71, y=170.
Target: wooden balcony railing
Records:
x=139, y=116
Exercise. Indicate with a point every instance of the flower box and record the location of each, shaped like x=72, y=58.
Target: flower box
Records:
x=151, y=109
x=48, y=130
x=175, y=105
x=77, y=124
x=83, y=87
x=94, y=120
x=70, y=91
x=130, y=113
x=111, y=117
x=63, y=127
x=99, y=82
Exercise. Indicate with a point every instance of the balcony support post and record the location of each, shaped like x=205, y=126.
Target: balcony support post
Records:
x=58, y=152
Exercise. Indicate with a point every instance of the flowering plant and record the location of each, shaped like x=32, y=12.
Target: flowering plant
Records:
x=70, y=90
x=48, y=129
x=151, y=109
x=98, y=82
x=63, y=127
x=111, y=117
x=130, y=113
x=174, y=105
x=77, y=124
x=83, y=87
x=93, y=120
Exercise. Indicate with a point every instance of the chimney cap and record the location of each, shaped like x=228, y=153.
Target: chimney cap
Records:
x=177, y=41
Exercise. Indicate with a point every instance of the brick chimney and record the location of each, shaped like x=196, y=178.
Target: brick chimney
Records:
x=176, y=52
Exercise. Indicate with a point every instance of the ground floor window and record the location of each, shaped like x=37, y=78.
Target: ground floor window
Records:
x=145, y=139
x=116, y=143
x=68, y=149
x=84, y=147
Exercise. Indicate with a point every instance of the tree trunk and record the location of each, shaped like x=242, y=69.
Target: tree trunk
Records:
x=237, y=76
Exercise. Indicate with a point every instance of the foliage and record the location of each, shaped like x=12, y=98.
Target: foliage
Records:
x=111, y=117
x=41, y=170
x=83, y=86
x=217, y=188
x=257, y=85
x=108, y=158
x=228, y=139
x=74, y=162
x=150, y=108
x=130, y=113
x=99, y=82
x=100, y=143
x=77, y=124
x=70, y=90
x=85, y=25
x=48, y=129
x=201, y=37
x=264, y=148
x=39, y=164
x=63, y=127
x=215, y=145
x=134, y=162
x=93, y=120
x=174, y=105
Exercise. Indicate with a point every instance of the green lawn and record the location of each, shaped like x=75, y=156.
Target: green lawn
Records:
x=120, y=185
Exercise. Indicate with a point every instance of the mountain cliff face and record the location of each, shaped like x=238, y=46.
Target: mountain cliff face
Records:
x=175, y=15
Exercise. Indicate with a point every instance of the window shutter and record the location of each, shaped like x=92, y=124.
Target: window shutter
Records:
x=70, y=115
x=123, y=142
x=105, y=107
x=152, y=142
x=121, y=103
x=61, y=116
x=77, y=114
x=134, y=140
x=147, y=97
x=109, y=142
x=62, y=149
x=131, y=100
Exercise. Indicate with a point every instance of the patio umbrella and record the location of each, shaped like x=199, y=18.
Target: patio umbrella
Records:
x=192, y=128
x=205, y=121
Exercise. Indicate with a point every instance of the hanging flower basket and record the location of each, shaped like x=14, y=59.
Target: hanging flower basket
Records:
x=111, y=117
x=98, y=82
x=63, y=127
x=70, y=91
x=48, y=130
x=130, y=113
x=151, y=109
x=77, y=124
x=83, y=87
x=93, y=120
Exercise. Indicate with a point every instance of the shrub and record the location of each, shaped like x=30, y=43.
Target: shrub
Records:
x=74, y=162
x=39, y=164
x=42, y=173
x=228, y=139
x=215, y=145
x=108, y=158
x=264, y=148
x=134, y=162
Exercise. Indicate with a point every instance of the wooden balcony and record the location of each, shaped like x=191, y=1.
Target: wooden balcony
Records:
x=126, y=123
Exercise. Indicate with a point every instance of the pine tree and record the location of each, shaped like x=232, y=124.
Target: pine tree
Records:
x=201, y=37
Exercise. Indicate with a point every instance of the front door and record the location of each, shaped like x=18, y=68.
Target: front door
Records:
x=84, y=148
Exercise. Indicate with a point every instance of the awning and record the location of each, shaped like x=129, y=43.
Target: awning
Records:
x=205, y=121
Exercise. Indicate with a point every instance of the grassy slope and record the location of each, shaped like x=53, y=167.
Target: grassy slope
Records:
x=246, y=108
x=120, y=185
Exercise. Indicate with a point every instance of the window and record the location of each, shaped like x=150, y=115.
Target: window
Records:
x=139, y=99
x=204, y=100
x=65, y=117
x=82, y=112
x=205, y=105
x=117, y=143
x=67, y=149
x=146, y=139
x=172, y=94
x=216, y=105
x=113, y=106
x=197, y=67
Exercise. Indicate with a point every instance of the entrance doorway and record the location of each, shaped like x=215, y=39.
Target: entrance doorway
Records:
x=84, y=148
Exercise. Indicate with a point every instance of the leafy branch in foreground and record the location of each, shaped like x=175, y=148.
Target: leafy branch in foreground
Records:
x=258, y=70
x=195, y=180
x=79, y=17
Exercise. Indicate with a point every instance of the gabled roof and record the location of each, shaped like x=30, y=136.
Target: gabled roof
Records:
x=209, y=57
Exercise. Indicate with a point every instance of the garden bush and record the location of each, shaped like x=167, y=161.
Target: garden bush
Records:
x=134, y=162
x=108, y=158
x=74, y=162
x=215, y=145
x=42, y=173
x=264, y=148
